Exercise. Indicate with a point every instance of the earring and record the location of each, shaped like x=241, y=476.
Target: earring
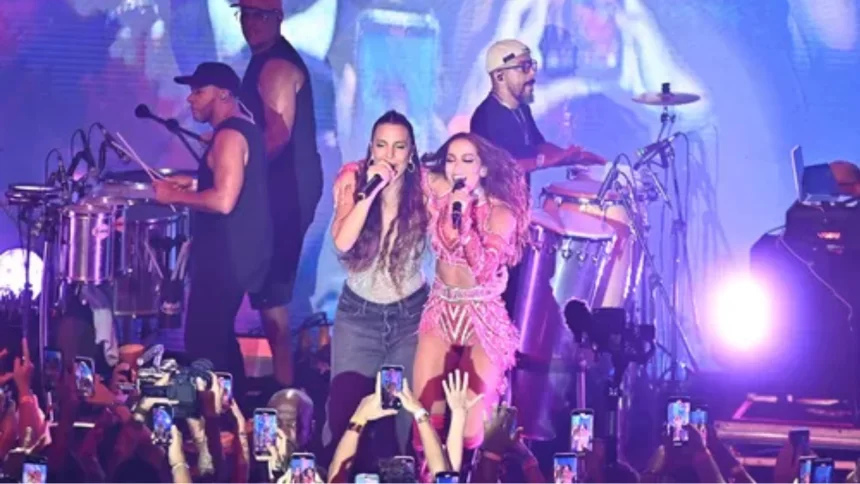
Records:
x=483, y=172
x=410, y=167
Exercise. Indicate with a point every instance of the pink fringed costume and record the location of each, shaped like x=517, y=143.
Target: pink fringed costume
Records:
x=473, y=316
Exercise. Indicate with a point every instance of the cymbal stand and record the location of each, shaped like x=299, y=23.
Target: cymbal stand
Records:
x=658, y=287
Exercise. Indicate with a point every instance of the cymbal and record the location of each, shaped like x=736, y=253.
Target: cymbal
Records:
x=666, y=99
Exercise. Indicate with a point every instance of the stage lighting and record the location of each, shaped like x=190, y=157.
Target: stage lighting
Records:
x=741, y=313
x=12, y=272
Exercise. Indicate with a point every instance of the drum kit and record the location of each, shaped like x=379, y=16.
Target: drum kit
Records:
x=589, y=242
x=104, y=230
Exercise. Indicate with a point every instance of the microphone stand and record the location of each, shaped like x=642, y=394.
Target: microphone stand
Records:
x=174, y=128
x=659, y=288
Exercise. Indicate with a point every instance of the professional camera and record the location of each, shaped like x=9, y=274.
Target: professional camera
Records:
x=181, y=387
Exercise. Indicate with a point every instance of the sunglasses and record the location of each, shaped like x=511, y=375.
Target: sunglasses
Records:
x=251, y=13
x=524, y=66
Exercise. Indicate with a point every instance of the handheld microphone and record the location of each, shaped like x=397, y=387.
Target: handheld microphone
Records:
x=647, y=153
x=457, y=207
x=142, y=111
x=371, y=186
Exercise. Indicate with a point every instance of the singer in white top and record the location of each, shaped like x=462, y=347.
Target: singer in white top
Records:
x=379, y=231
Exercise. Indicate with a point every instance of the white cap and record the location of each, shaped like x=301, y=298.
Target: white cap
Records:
x=504, y=51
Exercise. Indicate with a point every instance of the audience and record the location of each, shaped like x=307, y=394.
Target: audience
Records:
x=108, y=437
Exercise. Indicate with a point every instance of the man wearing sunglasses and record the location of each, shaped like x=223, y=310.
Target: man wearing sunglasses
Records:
x=277, y=91
x=504, y=118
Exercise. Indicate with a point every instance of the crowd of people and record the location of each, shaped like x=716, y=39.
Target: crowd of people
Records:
x=114, y=436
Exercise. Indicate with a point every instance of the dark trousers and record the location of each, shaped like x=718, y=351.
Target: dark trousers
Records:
x=209, y=324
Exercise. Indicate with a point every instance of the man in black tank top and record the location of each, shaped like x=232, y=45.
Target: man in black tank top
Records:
x=277, y=91
x=231, y=231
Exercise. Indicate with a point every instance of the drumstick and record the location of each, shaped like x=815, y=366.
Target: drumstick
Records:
x=153, y=174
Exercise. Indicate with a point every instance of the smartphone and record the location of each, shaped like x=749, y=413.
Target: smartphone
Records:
x=35, y=470
x=303, y=468
x=804, y=469
x=85, y=376
x=678, y=417
x=447, y=477
x=391, y=379
x=799, y=440
x=822, y=469
x=367, y=478
x=160, y=422
x=53, y=368
x=406, y=460
x=564, y=468
x=581, y=430
x=226, y=381
x=699, y=420
x=265, y=432
x=383, y=34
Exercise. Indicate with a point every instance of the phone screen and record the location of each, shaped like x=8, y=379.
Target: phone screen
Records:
x=367, y=478
x=35, y=470
x=85, y=376
x=391, y=380
x=804, y=471
x=699, y=420
x=448, y=477
x=822, y=470
x=53, y=368
x=265, y=431
x=677, y=417
x=226, y=382
x=581, y=430
x=303, y=468
x=161, y=421
x=564, y=468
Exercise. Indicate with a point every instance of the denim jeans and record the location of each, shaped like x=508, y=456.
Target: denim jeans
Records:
x=366, y=337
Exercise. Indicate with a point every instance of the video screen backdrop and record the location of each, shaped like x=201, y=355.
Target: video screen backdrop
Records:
x=772, y=73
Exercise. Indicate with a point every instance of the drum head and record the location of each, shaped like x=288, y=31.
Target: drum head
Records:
x=584, y=189
x=152, y=213
x=88, y=209
x=140, y=176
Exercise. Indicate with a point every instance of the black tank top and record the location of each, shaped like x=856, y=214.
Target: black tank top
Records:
x=303, y=142
x=236, y=247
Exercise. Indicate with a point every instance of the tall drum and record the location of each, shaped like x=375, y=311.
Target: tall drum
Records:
x=88, y=242
x=578, y=250
x=152, y=238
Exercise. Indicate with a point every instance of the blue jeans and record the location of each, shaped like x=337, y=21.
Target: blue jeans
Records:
x=366, y=337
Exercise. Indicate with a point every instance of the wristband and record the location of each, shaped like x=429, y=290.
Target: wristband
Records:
x=421, y=416
x=355, y=427
x=183, y=464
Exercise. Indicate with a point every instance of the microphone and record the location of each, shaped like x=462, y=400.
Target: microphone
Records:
x=457, y=208
x=142, y=111
x=647, y=153
x=112, y=143
x=608, y=181
x=371, y=186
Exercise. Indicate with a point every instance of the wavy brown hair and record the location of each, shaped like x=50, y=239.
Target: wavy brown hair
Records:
x=505, y=182
x=410, y=222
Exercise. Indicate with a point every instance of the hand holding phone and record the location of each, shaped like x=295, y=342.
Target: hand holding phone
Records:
x=391, y=382
x=303, y=468
x=85, y=376
x=265, y=432
x=565, y=468
x=161, y=423
x=35, y=470
x=581, y=430
x=677, y=419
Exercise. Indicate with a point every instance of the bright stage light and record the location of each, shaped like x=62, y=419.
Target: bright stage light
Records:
x=742, y=315
x=12, y=272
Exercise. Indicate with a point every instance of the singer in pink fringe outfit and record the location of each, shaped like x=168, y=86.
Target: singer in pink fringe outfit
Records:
x=476, y=231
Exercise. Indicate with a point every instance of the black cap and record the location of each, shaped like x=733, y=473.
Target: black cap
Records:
x=212, y=74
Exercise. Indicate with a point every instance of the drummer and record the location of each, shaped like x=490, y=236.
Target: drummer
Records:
x=504, y=119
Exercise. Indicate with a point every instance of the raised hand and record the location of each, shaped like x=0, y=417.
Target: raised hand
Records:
x=499, y=432
x=456, y=388
x=370, y=407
